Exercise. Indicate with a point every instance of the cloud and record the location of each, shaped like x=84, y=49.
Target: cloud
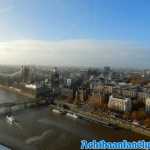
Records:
x=81, y=52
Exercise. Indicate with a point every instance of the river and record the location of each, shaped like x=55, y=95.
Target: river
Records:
x=44, y=130
x=6, y=97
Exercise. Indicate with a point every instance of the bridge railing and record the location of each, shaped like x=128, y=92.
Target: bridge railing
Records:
x=14, y=106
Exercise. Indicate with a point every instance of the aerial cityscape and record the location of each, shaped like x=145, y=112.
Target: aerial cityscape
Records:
x=74, y=74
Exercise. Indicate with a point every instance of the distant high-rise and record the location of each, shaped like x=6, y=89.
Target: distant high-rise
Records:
x=55, y=78
x=107, y=69
x=147, y=104
x=107, y=74
x=147, y=74
x=25, y=73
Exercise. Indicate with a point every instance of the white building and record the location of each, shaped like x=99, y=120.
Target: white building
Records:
x=31, y=86
x=147, y=104
x=69, y=82
x=120, y=104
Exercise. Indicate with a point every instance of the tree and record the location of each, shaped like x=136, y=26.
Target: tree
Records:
x=134, y=115
x=105, y=107
x=138, y=115
x=126, y=115
x=147, y=122
x=94, y=102
x=141, y=115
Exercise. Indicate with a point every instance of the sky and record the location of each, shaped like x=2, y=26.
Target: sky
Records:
x=75, y=32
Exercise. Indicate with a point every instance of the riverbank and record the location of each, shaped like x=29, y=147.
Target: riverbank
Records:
x=102, y=118
x=18, y=91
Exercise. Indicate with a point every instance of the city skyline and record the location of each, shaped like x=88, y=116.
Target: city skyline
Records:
x=80, y=33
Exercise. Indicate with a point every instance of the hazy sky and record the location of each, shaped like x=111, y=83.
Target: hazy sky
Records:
x=75, y=32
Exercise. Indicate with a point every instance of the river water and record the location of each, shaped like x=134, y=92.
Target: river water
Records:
x=46, y=130
x=6, y=97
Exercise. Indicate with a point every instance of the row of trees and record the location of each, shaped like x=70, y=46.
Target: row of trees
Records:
x=139, y=116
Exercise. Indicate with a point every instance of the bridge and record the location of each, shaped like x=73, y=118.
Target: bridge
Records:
x=6, y=108
x=15, y=74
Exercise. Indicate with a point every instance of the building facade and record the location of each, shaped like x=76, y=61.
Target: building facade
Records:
x=147, y=104
x=120, y=104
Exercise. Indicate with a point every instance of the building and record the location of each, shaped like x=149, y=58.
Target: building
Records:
x=142, y=96
x=55, y=81
x=107, y=89
x=30, y=86
x=147, y=104
x=146, y=74
x=98, y=98
x=107, y=69
x=107, y=74
x=69, y=82
x=101, y=95
x=120, y=104
x=42, y=90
